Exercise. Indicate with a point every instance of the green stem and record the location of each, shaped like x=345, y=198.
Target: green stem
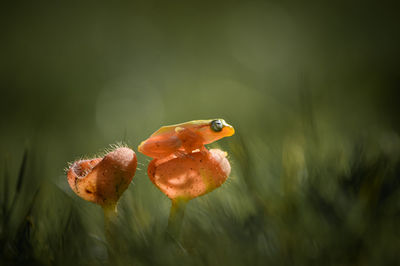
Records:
x=176, y=215
x=110, y=226
x=110, y=213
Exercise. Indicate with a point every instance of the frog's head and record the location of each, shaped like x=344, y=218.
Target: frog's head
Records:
x=216, y=129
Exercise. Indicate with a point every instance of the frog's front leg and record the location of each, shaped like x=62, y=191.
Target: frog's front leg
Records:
x=180, y=153
x=190, y=140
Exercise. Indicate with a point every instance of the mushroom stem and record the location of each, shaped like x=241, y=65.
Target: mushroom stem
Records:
x=176, y=215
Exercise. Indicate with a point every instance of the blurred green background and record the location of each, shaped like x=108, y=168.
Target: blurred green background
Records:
x=312, y=89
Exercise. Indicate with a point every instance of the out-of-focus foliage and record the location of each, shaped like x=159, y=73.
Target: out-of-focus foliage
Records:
x=311, y=87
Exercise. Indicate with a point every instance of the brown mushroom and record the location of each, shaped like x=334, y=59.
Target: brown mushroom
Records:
x=103, y=180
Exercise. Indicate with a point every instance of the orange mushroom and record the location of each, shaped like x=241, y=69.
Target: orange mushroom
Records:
x=190, y=176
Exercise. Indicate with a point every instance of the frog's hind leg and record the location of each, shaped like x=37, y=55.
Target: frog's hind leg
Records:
x=159, y=147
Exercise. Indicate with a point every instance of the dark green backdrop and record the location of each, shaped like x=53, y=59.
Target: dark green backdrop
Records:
x=311, y=87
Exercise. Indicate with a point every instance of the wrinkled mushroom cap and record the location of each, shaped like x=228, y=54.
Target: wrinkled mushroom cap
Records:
x=103, y=180
x=190, y=176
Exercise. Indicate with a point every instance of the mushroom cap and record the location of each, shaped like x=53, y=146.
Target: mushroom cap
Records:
x=103, y=180
x=191, y=175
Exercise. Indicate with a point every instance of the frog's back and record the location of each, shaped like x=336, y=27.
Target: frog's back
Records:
x=167, y=130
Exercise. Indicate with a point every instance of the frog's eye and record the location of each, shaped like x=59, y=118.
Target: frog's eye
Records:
x=216, y=125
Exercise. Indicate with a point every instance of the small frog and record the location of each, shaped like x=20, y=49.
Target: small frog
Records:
x=185, y=138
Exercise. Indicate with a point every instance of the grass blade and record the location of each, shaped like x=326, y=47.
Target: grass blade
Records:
x=5, y=188
x=21, y=173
